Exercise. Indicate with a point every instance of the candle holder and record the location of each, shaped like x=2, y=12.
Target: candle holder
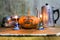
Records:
x=40, y=24
x=16, y=23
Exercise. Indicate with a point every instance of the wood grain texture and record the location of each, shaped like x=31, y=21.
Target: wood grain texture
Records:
x=50, y=30
x=5, y=30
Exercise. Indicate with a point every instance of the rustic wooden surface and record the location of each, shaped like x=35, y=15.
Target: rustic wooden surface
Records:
x=30, y=31
x=50, y=30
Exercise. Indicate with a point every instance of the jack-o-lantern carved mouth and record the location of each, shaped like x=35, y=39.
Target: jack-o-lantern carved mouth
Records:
x=28, y=20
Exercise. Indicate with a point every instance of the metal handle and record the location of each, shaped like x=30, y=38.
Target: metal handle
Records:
x=57, y=10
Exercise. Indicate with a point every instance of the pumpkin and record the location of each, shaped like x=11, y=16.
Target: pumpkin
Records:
x=28, y=21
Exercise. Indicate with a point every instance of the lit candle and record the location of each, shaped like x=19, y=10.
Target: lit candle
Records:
x=16, y=17
x=40, y=17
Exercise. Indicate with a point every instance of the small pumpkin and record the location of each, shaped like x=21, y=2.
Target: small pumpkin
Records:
x=28, y=21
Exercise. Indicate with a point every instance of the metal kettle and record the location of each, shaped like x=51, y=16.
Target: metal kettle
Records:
x=48, y=16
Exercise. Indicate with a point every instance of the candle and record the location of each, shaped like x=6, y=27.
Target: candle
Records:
x=16, y=17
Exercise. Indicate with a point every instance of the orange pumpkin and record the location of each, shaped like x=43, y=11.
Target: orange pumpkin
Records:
x=28, y=21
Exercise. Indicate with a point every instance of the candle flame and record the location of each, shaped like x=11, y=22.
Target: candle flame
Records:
x=16, y=16
x=40, y=15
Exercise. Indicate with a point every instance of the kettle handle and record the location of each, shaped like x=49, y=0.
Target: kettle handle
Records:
x=57, y=10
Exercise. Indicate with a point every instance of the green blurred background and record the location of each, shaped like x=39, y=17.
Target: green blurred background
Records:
x=20, y=7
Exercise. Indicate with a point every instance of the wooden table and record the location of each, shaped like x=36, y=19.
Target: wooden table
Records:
x=30, y=34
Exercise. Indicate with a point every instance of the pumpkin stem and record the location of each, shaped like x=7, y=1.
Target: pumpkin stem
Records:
x=28, y=11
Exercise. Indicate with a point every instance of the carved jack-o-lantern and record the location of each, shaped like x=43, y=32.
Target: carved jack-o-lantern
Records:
x=28, y=21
